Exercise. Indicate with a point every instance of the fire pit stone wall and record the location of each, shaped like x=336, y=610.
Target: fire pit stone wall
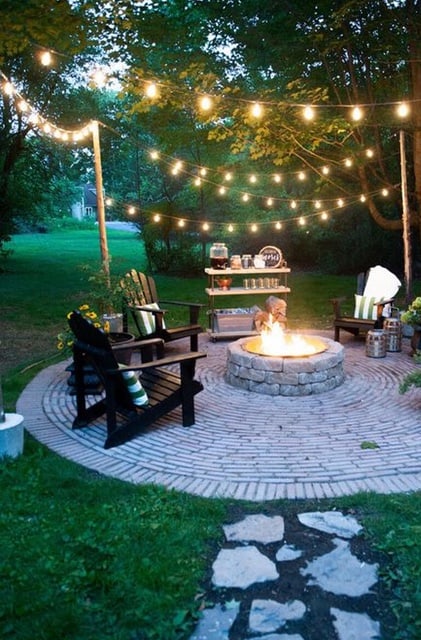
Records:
x=285, y=376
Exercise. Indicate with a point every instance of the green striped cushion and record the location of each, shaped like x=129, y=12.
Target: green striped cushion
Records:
x=147, y=320
x=137, y=392
x=365, y=307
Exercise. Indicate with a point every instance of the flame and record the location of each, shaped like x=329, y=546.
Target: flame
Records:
x=273, y=341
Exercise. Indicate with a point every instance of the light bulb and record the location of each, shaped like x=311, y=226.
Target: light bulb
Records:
x=46, y=58
x=357, y=114
x=205, y=103
x=151, y=90
x=403, y=110
x=308, y=113
x=256, y=110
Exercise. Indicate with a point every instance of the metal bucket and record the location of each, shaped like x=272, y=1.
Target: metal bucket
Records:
x=375, y=345
x=393, y=331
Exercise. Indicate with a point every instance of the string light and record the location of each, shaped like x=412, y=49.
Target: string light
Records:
x=308, y=113
x=205, y=103
x=151, y=90
x=205, y=226
x=8, y=88
x=256, y=110
x=402, y=109
x=356, y=114
x=278, y=226
x=46, y=58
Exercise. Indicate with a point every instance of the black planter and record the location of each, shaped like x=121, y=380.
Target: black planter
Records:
x=122, y=355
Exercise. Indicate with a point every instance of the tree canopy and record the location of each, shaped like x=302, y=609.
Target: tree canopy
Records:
x=282, y=58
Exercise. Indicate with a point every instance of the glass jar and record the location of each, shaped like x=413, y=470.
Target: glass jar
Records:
x=218, y=255
x=246, y=261
x=235, y=262
x=259, y=262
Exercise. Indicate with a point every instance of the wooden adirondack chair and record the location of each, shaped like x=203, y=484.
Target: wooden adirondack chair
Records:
x=370, y=303
x=148, y=312
x=127, y=410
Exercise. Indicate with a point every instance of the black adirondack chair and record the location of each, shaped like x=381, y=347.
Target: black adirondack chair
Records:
x=165, y=389
x=148, y=311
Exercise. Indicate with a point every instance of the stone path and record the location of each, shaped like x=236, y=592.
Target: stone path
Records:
x=269, y=583
x=361, y=436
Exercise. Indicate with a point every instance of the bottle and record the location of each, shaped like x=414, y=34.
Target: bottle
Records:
x=218, y=255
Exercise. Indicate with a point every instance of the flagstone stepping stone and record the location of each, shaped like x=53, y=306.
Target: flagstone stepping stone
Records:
x=354, y=626
x=331, y=522
x=256, y=528
x=288, y=552
x=279, y=636
x=341, y=572
x=241, y=567
x=216, y=622
x=269, y=615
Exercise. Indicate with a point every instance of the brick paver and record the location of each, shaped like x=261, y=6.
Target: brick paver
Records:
x=251, y=446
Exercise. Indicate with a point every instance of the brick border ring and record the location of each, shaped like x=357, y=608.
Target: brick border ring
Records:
x=278, y=376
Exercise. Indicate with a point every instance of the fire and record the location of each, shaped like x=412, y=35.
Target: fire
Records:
x=274, y=341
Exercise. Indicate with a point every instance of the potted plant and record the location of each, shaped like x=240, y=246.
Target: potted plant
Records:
x=412, y=317
x=107, y=295
x=412, y=379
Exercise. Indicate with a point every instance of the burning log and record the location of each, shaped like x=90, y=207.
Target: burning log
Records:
x=275, y=311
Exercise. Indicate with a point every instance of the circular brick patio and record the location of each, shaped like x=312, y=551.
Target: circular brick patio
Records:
x=360, y=436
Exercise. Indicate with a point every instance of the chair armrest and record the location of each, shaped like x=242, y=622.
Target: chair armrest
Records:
x=192, y=356
x=193, y=307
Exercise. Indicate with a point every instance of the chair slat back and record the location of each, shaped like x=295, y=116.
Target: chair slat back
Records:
x=95, y=344
x=140, y=288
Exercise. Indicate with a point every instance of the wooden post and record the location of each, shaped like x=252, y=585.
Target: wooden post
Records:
x=406, y=224
x=100, y=200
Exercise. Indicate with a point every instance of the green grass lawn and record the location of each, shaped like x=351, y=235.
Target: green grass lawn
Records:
x=86, y=557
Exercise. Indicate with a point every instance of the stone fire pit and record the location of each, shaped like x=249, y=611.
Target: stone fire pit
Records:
x=285, y=376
